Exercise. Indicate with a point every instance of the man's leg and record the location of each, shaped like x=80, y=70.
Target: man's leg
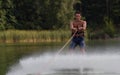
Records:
x=83, y=50
x=72, y=45
x=82, y=45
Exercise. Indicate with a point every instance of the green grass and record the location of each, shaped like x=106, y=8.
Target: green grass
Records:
x=11, y=36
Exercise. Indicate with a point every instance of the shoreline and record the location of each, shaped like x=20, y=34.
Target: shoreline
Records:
x=34, y=36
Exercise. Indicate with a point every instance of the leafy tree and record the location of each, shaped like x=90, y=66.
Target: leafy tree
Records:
x=56, y=14
x=94, y=11
x=115, y=12
x=42, y=14
x=2, y=19
x=7, y=19
x=109, y=27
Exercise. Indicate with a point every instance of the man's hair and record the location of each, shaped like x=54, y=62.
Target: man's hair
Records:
x=78, y=12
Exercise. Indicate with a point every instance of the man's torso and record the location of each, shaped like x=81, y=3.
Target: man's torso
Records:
x=77, y=25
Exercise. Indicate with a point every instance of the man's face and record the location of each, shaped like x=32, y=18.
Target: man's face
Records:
x=77, y=16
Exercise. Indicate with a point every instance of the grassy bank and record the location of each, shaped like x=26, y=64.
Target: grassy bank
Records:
x=11, y=36
x=34, y=36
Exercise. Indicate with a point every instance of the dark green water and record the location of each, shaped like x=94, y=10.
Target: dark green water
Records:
x=11, y=54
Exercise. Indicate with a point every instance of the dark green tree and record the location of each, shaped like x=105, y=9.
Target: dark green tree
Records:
x=115, y=12
x=42, y=14
x=7, y=18
x=96, y=13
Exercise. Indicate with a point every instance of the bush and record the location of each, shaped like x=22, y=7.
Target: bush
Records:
x=109, y=27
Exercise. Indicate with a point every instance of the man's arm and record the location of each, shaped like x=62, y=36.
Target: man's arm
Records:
x=71, y=26
x=84, y=26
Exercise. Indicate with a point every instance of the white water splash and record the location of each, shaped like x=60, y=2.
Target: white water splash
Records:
x=48, y=64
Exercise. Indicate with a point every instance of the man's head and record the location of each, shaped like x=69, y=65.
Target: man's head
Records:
x=77, y=16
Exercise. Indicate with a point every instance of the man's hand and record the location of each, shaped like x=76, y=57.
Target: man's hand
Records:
x=81, y=29
x=75, y=29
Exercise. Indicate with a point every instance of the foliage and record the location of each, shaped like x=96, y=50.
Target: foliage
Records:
x=7, y=18
x=42, y=14
x=2, y=20
x=56, y=14
x=109, y=27
x=13, y=36
x=102, y=16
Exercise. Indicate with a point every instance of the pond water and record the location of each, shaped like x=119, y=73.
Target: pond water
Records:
x=101, y=58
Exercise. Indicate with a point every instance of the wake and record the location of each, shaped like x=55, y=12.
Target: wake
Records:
x=65, y=64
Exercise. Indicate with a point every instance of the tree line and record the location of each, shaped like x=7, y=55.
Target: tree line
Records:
x=35, y=14
x=101, y=15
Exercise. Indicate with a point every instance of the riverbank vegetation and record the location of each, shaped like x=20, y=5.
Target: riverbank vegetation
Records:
x=37, y=36
x=41, y=20
x=11, y=36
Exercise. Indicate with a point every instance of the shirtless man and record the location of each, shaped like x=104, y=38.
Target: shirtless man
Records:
x=78, y=27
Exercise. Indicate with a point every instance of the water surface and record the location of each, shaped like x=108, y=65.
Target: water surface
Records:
x=101, y=58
